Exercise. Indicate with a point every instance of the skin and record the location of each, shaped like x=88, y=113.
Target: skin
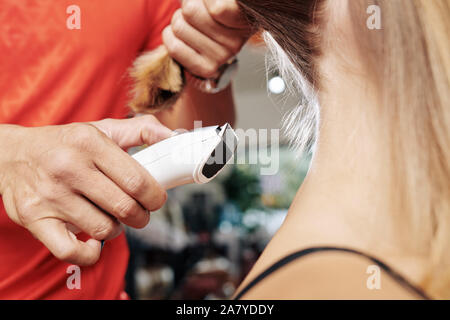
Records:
x=346, y=198
x=203, y=35
x=78, y=174
x=59, y=180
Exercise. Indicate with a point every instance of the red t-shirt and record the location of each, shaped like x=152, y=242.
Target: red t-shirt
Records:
x=52, y=72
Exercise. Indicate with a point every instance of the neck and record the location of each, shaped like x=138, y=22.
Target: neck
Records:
x=347, y=195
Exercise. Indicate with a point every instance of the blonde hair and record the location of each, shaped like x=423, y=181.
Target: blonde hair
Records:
x=409, y=59
x=410, y=66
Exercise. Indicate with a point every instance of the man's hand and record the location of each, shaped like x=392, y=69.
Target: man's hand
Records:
x=57, y=176
x=205, y=34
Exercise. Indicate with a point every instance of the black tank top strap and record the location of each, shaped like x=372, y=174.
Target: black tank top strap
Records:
x=302, y=253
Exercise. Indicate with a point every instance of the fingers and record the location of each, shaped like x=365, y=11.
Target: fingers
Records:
x=227, y=13
x=152, y=130
x=188, y=57
x=197, y=40
x=127, y=176
x=63, y=244
x=199, y=18
x=204, y=35
x=113, y=201
x=130, y=176
x=44, y=195
x=135, y=131
x=80, y=212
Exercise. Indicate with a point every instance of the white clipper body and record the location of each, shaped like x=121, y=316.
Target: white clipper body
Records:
x=194, y=157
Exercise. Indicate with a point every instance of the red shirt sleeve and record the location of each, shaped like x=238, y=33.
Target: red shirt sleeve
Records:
x=160, y=14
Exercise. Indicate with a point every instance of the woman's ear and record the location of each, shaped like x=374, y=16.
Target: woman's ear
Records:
x=158, y=81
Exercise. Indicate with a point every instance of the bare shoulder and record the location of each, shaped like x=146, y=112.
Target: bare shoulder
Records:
x=331, y=275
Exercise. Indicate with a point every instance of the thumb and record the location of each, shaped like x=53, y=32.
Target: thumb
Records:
x=134, y=132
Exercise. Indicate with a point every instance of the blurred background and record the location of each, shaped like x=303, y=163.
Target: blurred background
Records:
x=205, y=240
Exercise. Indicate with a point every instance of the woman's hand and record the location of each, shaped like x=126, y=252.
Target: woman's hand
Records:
x=56, y=176
x=205, y=34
